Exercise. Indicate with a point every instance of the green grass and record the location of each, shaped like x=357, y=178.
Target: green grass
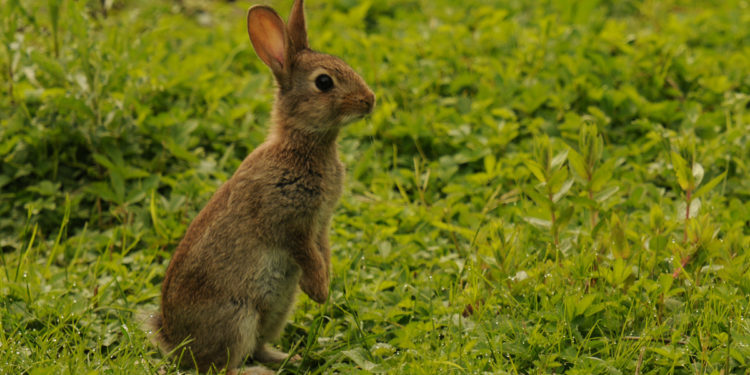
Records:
x=516, y=204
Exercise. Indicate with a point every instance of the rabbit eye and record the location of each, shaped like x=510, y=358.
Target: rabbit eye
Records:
x=324, y=82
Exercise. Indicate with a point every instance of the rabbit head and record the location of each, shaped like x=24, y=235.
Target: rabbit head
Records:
x=316, y=92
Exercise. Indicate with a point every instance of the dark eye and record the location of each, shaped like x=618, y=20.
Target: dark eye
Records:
x=324, y=82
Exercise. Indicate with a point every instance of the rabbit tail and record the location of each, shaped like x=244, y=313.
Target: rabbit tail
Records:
x=153, y=325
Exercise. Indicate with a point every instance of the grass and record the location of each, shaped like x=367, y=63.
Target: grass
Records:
x=544, y=187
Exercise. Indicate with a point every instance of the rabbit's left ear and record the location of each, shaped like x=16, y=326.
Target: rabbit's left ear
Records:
x=297, y=28
x=268, y=35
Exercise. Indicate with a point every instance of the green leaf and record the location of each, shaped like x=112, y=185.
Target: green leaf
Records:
x=504, y=113
x=583, y=303
x=130, y=172
x=104, y=161
x=709, y=185
x=563, y=190
x=154, y=215
x=656, y=217
x=565, y=216
x=536, y=169
x=681, y=170
x=101, y=190
x=118, y=186
x=357, y=356
x=590, y=142
x=621, y=271
x=559, y=159
x=54, y=12
x=180, y=152
x=666, y=281
x=658, y=243
x=45, y=370
x=605, y=194
x=537, y=222
x=602, y=175
x=620, y=246
x=741, y=358
x=667, y=351
x=50, y=66
x=577, y=165
x=489, y=163
x=464, y=232
x=557, y=180
x=539, y=199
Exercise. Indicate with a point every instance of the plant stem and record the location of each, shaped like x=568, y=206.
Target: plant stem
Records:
x=10, y=74
x=10, y=82
x=688, y=196
x=552, y=224
x=684, y=262
x=594, y=212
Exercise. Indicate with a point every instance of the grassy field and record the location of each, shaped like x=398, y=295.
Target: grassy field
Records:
x=545, y=187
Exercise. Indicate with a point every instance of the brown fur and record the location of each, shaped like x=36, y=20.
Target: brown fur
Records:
x=231, y=282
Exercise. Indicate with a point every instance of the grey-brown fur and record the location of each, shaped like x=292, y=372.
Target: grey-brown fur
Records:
x=232, y=280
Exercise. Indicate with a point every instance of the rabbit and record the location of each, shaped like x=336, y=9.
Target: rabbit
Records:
x=232, y=280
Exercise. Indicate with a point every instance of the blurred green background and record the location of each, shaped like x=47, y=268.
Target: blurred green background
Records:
x=544, y=187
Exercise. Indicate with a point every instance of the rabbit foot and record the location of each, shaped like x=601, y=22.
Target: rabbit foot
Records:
x=267, y=354
x=255, y=370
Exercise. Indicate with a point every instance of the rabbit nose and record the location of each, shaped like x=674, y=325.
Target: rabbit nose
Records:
x=369, y=100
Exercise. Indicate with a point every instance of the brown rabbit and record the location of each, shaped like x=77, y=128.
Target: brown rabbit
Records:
x=232, y=280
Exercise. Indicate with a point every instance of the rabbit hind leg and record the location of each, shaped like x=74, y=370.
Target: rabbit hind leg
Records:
x=267, y=354
x=272, y=324
x=270, y=330
x=247, y=343
x=227, y=342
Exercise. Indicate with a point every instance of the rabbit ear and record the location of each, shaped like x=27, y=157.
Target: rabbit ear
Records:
x=297, y=28
x=268, y=35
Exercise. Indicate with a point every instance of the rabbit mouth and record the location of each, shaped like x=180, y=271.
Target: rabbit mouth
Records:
x=358, y=108
x=348, y=118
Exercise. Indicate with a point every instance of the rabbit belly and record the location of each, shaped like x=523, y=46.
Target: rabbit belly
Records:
x=276, y=289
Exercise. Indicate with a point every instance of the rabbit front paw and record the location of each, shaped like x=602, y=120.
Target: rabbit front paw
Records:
x=315, y=286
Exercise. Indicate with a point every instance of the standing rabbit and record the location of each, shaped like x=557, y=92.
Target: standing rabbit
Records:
x=232, y=280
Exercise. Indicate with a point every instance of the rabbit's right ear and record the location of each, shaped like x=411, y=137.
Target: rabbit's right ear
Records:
x=268, y=35
x=297, y=28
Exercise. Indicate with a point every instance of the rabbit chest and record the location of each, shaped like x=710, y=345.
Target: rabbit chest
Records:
x=310, y=192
